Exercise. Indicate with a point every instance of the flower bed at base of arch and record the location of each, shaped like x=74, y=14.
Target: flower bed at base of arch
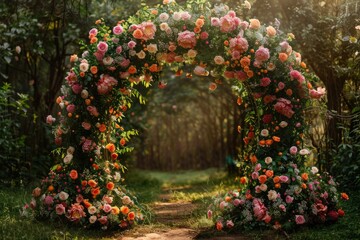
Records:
x=85, y=186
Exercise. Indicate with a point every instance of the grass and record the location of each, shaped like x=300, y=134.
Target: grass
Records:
x=195, y=186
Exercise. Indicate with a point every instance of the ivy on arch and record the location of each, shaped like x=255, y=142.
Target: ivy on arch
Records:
x=277, y=188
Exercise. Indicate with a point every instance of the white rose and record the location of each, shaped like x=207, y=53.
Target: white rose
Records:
x=141, y=54
x=68, y=158
x=268, y=160
x=176, y=16
x=70, y=150
x=219, y=60
x=283, y=124
x=264, y=133
x=92, y=219
x=263, y=187
x=92, y=209
x=272, y=195
x=192, y=53
x=314, y=170
x=126, y=200
x=84, y=67
x=152, y=48
x=304, y=152
x=164, y=26
x=108, y=60
x=84, y=94
x=163, y=17
x=63, y=196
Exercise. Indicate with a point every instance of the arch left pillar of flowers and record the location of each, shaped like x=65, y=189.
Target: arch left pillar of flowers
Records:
x=84, y=187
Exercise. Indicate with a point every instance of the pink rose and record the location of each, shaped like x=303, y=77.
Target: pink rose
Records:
x=281, y=85
x=50, y=119
x=77, y=88
x=282, y=207
x=48, y=200
x=107, y=208
x=284, y=178
x=102, y=47
x=284, y=46
x=86, y=125
x=187, y=39
x=93, y=111
x=108, y=199
x=117, y=30
x=229, y=23
x=236, y=202
x=297, y=75
x=229, y=74
x=293, y=150
x=185, y=16
x=76, y=212
x=131, y=44
x=209, y=214
x=255, y=175
x=215, y=22
x=240, y=75
x=257, y=167
x=317, y=94
x=148, y=29
x=299, y=219
x=264, y=82
x=239, y=44
x=289, y=199
x=259, y=209
x=284, y=107
x=79, y=198
x=63, y=196
x=204, y=35
x=70, y=108
x=93, y=31
x=262, y=54
x=60, y=209
x=118, y=50
x=229, y=224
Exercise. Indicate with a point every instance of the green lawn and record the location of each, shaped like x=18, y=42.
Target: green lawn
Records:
x=195, y=186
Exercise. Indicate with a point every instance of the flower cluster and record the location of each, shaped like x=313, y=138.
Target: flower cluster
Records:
x=85, y=185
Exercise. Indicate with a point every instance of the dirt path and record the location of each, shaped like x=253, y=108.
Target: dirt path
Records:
x=169, y=221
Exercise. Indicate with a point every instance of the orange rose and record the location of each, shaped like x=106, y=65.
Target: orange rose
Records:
x=114, y=156
x=110, y=147
x=283, y=57
x=262, y=178
x=122, y=141
x=92, y=183
x=131, y=216
x=199, y=22
x=276, y=139
x=253, y=159
x=132, y=69
x=262, y=143
x=276, y=179
x=115, y=210
x=303, y=186
x=243, y=180
x=87, y=204
x=51, y=188
x=95, y=191
x=269, y=173
x=110, y=186
x=344, y=196
x=102, y=128
x=124, y=210
x=84, y=183
x=227, y=199
x=153, y=68
x=138, y=34
x=93, y=69
x=305, y=176
x=73, y=174
x=277, y=185
x=269, y=142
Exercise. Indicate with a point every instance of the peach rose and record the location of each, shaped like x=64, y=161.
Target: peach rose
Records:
x=270, y=31
x=254, y=24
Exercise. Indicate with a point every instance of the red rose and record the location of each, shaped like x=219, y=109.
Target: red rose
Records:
x=341, y=213
x=333, y=215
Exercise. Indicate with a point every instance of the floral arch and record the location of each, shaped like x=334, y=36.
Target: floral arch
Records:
x=277, y=188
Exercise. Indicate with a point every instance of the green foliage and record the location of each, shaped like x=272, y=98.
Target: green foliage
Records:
x=346, y=166
x=13, y=108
